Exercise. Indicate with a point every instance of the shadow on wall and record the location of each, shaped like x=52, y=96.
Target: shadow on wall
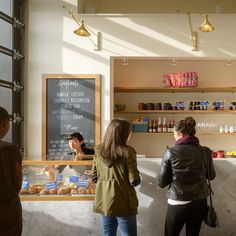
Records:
x=40, y=224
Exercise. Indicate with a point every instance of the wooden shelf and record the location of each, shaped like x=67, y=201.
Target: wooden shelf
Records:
x=171, y=133
x=174, y=90
x=57, y=198
x=214, y=133
x=147, y=133
x=131, y=96
x=176, y=112
x=59, y=162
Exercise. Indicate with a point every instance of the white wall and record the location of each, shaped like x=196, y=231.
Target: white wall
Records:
x=53, y=48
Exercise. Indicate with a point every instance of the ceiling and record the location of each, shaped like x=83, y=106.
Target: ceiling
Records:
x=156, y=6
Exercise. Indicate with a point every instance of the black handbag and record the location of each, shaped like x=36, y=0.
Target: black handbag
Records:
x=211, y=219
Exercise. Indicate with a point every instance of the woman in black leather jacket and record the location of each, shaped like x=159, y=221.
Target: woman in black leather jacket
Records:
x=184, y=168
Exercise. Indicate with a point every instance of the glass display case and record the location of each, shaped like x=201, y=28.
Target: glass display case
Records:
x=57, y=180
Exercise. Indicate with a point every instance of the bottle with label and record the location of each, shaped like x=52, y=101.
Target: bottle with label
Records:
x=159, y=125
x=172, y=125
x=154, y=126
x=150, y=126
x=164, y=125
x=222, y=104
x=168, y=127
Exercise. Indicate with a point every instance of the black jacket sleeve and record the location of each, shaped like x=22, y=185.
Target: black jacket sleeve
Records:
x=165, y=175
x=210, y=165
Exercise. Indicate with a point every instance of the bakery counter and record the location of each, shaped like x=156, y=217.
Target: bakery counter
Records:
x=57, y=181
x=69, y=218
x=57, y=198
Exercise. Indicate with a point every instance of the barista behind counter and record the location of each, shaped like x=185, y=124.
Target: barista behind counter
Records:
x=77, y=145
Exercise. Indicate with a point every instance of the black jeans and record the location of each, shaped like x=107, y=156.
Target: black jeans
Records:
x=191, y=214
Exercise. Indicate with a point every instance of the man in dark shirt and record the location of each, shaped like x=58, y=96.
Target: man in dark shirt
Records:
x=10, y=182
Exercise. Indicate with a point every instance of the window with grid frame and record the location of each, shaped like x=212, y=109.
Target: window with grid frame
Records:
x=11, y=65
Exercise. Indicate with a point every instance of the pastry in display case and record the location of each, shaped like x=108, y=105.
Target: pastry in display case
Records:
x=57, y=180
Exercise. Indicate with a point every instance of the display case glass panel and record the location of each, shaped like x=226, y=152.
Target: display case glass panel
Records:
x=57, y=180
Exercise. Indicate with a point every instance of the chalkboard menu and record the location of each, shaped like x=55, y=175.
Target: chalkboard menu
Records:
x=71, y=103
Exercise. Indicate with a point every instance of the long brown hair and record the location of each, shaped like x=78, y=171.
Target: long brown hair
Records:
x=115, y=138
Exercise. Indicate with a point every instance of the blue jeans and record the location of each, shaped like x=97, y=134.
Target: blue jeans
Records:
x=127, y=225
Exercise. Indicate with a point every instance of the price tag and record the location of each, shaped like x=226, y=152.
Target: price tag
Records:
x=59, y=177
x=51, y=185
x=25, y=184
x=82, y=184
x=74, y=179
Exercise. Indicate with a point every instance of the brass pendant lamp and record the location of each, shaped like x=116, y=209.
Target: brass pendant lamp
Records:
x=206, y=26
x=82, y=31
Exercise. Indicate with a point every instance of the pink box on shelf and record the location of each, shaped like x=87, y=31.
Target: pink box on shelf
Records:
x=181, y=79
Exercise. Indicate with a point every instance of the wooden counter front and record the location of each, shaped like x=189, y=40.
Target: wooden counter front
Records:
x=56, y=198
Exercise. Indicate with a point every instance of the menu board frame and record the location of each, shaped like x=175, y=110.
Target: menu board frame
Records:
x=78, y=78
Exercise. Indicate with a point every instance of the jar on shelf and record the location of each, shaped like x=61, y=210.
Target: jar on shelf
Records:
x=231, y=129
x=150, y=106
x=158, y=106
x=221, y=130
x=141, y=106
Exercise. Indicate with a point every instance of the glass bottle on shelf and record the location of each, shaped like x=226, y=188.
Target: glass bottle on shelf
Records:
x=164, y=125
x=172, y=125
x=159, y=125
x=168, y=127
x=231, y=129
x=150, y=126
x=154, y=126
x=221, y=129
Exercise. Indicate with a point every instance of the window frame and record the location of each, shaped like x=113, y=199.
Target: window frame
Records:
x=17, y=67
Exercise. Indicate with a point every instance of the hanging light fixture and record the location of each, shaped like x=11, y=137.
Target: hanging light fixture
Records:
x=125, y=61
x=228, y=62
x=206, y=26
x=193, y=36
x=173, y=62
x=85, y=31
x=82, y=31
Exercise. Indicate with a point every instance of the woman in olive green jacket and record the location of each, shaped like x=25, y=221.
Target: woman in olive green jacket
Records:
x=115, y=172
